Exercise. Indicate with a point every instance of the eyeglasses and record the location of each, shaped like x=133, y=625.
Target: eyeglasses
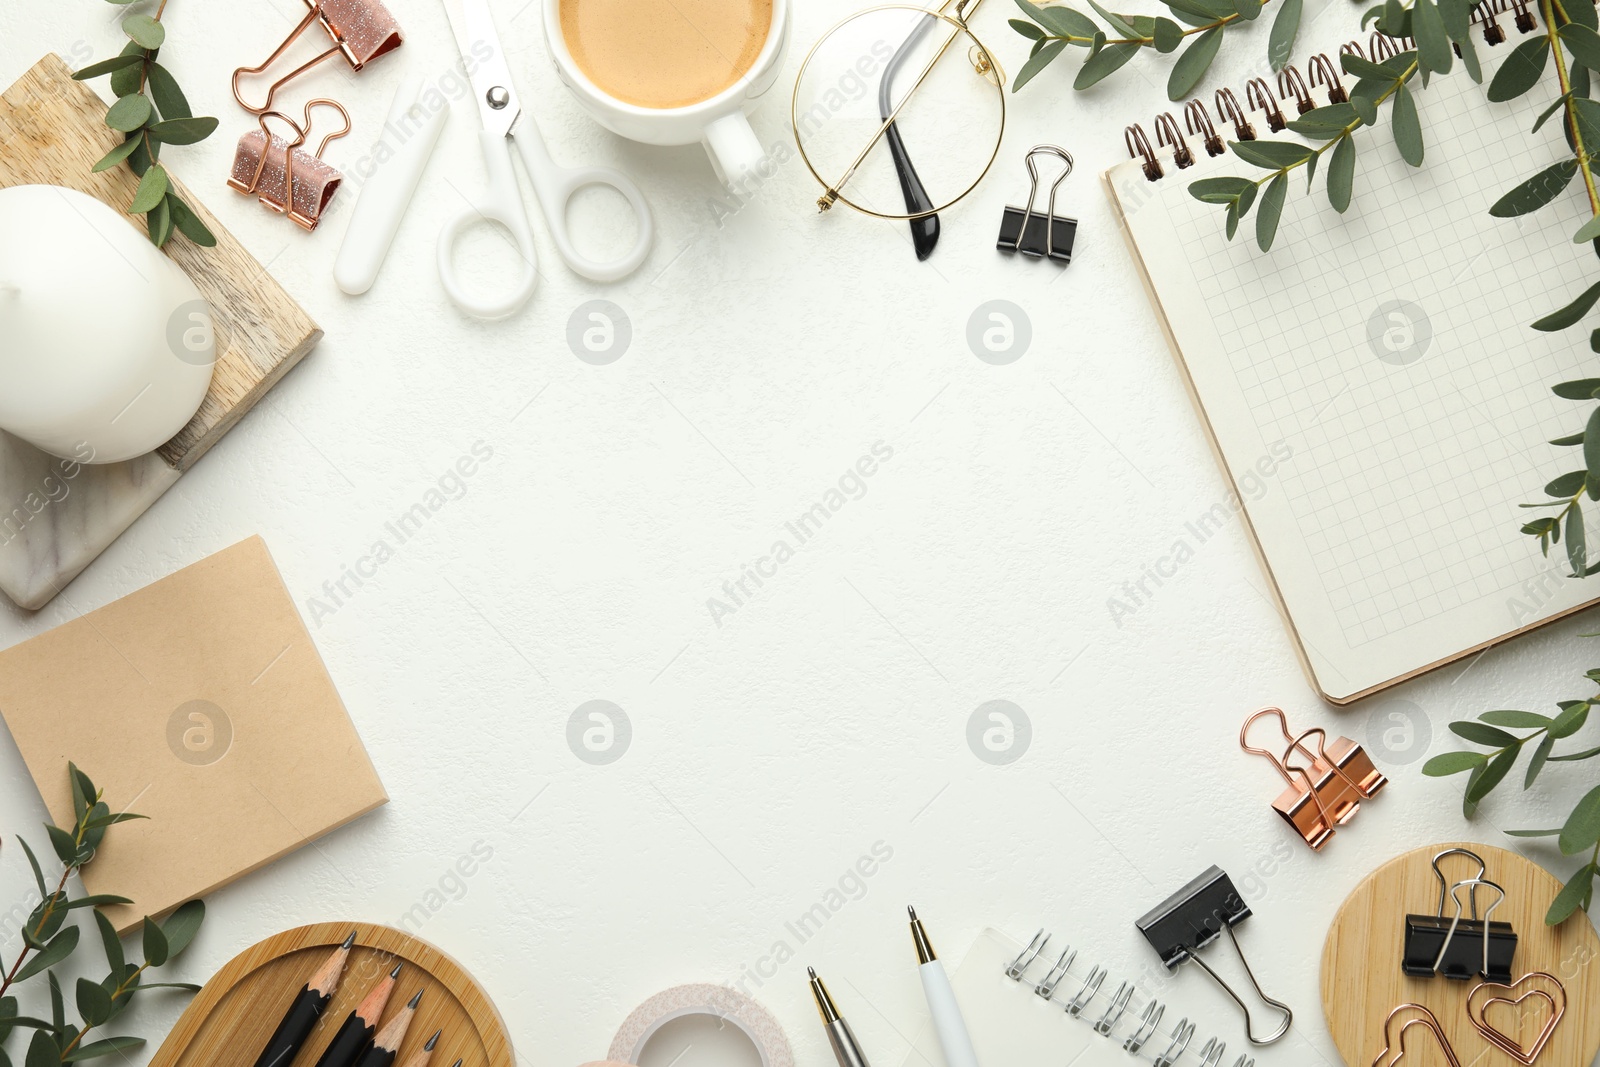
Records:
x=890, y=83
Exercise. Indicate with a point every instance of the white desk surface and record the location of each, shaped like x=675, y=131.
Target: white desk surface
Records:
x=829, y=712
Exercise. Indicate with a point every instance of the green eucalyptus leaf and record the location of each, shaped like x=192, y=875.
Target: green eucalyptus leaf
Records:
x=188, y=224
x=1067, y=22
x=144, y=31
x=111, y=942
x=1104, y=63
x=1407, y=126
x=1582, y=829
x=1448, y=763
x=1492, y=776
x=104, y=1047
x=1521, y=70
x=1481, y=733
x=1271, y=211
x=1341, y=173
x=1577, y=551
x=1285, y=26
x=182, y=926
x=1537, y=761
x=1271, y=155
x=42, y=1050
x=1219, y=190
x=158, y=223
x=1168, y=35
x=58, y=1007
x=59, y=948
x=152, y=188
x=1247, y=197
x=1591, y=454
x=94, y=1004
x=1560, y=320
x=1583, y=43
x=1030, y=30
x=1115, y=21
x=116, y=155
x=1570, y=757
x=1248, y=10
x=1572, y=896
x=168, y=97
x=1231, y=220
x=108, y=66
x=129, y=113
x=1516, y=720
x=1570, y=721
x=65, y=845
x=1193, y=63
x=1037, y=62
x=130, y=79
x=1587, y=232
x=1433, y=43
x=155, y=943
x=33, y=862
x=1324, y=122
x=1537, y=191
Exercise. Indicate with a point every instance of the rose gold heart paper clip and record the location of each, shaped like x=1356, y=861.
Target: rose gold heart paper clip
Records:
x=1555, y=999
x=1394, y=1045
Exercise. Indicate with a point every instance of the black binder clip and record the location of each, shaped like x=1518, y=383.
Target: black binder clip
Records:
x=1459, y=947
x=1193, y=917
x=1047, y=236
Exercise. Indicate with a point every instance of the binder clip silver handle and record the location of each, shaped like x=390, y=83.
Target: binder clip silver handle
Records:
x=1249, y=1019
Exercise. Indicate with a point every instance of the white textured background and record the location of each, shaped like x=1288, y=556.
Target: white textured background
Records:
x=829, y=713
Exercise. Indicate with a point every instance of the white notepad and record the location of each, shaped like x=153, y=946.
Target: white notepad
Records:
x=1012, y=1026
x=1389, y=531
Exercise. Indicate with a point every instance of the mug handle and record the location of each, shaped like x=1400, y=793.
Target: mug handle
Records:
x=733, y=147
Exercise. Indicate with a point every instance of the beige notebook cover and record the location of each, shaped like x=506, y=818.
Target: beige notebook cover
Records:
x=1371, y=385
x=200, y=702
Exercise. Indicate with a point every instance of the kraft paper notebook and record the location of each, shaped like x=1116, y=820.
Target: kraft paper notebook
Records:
x=1387, y=352
x=201, y=702
x=1025, y=1021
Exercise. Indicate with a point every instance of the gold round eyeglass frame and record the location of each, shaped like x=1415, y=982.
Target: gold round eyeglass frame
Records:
x=978, y=55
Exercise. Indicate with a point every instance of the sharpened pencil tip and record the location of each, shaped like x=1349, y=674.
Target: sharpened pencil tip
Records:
x=349, y=940
x=432, y=1041
x=812, y=971
x=414, y=1001
x=912, y=911
x=458, y=1063
x=396, y=972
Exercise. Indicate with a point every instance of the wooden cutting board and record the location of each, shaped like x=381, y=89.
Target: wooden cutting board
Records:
x=229, y=1021
x=53, y=132
x=1362, y=980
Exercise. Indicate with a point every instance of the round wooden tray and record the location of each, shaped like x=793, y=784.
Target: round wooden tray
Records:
x=1362, y=980
x=230, y=1020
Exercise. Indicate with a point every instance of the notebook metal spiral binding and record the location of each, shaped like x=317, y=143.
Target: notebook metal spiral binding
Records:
x=1146, y=1036
x=1293, y=89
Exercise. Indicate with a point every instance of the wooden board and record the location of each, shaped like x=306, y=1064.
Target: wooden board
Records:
x=53, y=132
x=229, y=1021
x=1362, y=980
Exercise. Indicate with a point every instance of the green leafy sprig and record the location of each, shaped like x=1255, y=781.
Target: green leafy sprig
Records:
x=1486, y=770
x=48, y=940
x=1054, y=27
x=150, y=111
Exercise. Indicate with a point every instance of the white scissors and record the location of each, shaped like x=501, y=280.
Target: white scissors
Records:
x=503, y=122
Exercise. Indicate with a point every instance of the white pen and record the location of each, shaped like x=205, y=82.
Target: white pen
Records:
x=947, y=1021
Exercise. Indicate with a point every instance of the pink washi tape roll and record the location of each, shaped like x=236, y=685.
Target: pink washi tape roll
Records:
x=713, y=1001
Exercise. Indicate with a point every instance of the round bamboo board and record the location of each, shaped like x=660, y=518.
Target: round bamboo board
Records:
x=1362, y=980
x=230, y=1020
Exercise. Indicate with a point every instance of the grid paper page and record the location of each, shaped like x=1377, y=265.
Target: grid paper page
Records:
x=1387, y=353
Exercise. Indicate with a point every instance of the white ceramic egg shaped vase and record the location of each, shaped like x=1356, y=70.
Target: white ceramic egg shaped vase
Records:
x=106, y=348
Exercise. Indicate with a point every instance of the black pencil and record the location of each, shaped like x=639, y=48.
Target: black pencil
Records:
x=355, y=1035
x=305, y=1010
x=387, y=1044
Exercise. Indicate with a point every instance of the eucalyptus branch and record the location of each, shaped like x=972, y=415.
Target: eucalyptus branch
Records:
x=49, y=939
x=1486, y=770
x=1054, y=28
x=150, y=111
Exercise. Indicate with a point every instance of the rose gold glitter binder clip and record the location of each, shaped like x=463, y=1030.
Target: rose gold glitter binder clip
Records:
x=282, y=174
x=1326, y=783
x=361, y=31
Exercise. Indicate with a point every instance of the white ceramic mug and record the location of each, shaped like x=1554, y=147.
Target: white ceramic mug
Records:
x=719, y=122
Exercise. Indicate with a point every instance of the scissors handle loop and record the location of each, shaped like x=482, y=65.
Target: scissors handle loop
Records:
x=501, y=203
x=556, y=185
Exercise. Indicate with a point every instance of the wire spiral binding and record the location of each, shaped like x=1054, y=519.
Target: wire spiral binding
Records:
x=1293, y=89
x=1051, y=969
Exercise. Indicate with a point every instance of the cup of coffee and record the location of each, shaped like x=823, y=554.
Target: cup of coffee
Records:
x=673, y=72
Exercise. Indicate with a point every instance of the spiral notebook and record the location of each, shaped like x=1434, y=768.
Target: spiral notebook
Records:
x=1370, y=385
x=1043, y=1005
